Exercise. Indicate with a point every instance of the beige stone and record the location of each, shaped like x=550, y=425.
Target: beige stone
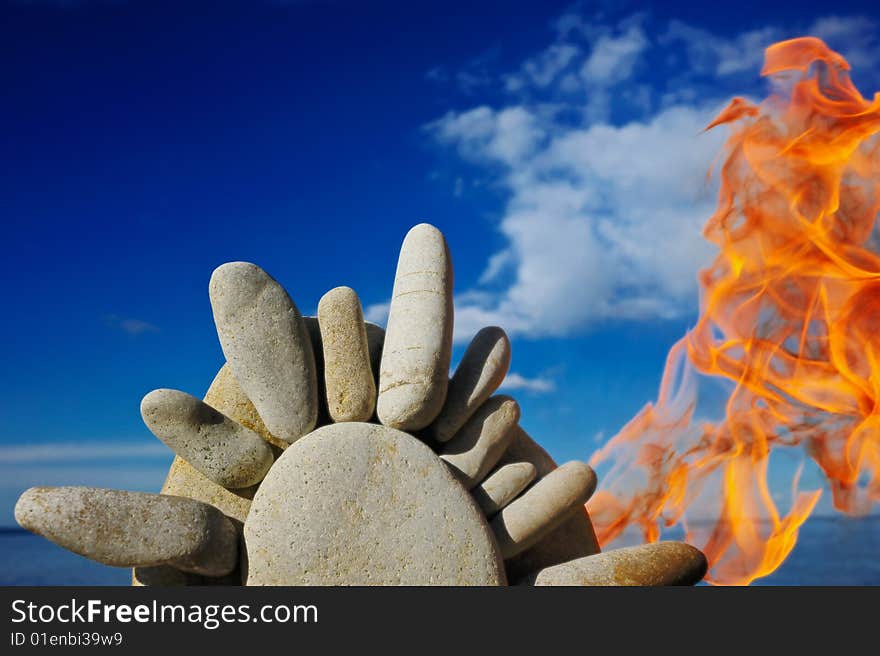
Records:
x=414, y=371
x=574, y=538
x=661, y=563
x=475, y=450
x=267, y=346
x=480, y=372
x=348, y=377
x=362, y=504
x=132, y=529
x=543, y=507
x=226, y=395
x=375, y=340
x=184, y=480
x=503, y=486
x=223, y=450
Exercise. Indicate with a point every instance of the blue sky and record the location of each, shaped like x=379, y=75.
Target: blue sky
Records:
x=557, y=145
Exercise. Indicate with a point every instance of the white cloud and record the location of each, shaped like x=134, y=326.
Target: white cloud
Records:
x=539, y=385
x=603, y=158
x=131, y=326
x=543, y=69
x=602, y=222
x=45, y=453
x=614, y=57
x=710, y=53
x=377, y=312
x=506, y=136
x=855, y=37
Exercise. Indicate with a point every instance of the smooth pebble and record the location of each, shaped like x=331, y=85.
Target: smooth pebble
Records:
x=132, y=529
x=480, y=372
x=482, y=440
x=350, y=387
x=267, y=346
x=223, y=450
x=414, y=372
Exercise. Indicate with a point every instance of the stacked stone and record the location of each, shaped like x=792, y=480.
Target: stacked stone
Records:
x=443, y=487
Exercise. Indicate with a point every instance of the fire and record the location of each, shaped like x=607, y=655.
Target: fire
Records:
x=789, y=321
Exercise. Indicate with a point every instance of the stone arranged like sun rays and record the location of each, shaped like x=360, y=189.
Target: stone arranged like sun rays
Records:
x=338, y=453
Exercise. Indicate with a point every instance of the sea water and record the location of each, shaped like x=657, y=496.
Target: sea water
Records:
x=830, y=551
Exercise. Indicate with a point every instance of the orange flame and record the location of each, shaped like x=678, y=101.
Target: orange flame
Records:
x=789, y=318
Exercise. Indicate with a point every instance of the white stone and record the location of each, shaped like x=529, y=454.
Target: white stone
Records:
x=414, y=372
x=543, y=507
x=350, y=387
x=481, y=371
x=503, y=486
x=362, y=504
x=475, y=450
x=574, y=538
x=132, y=529
x=223, y=450
x=267, y=347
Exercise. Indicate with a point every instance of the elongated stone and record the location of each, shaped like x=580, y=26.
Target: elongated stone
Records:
x=184, y=480
x=132, y=529
x=503, y=486
x=543, y=507
x=348, y=376
x=375, y=339
x=475, y=450
x=414, y=372
x=574, y=538
x=267, y=347
x=661, y=563
x=363, y=504
x=223, y=450
x=480, y=372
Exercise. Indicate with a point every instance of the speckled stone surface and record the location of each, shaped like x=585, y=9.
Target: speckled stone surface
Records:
x=661, y=563
x=350, y=387
x=127, y=529
x=574, y=538
x=226, y=395
x=267, y=346
x=503, y=485
x=475, y=450
x=184, y=480
x=226, y=452
x=543, y=507
x=414, y=372
x=361, y=504
x=479, y=373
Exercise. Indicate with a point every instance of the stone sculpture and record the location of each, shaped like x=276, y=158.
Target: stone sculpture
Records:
x=330, y=452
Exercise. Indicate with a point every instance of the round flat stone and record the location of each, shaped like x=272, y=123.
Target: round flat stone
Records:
x=362, y=504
